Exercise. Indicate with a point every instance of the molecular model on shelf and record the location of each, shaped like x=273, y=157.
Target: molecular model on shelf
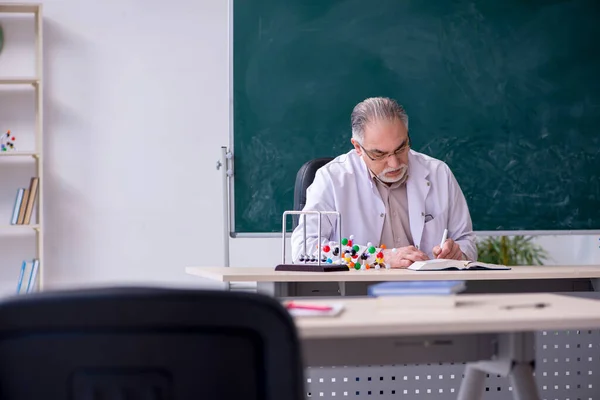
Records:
x=355, y=256
x=7, y=142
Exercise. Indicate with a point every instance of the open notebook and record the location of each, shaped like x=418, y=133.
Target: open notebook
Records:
x=444, y=265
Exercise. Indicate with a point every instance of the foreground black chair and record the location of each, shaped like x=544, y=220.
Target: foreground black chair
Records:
x=148, y=343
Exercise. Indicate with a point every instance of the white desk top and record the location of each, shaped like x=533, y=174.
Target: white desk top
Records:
x=268, y=274
x=365, y=317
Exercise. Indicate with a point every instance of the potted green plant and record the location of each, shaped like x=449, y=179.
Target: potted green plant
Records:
x=514, y=250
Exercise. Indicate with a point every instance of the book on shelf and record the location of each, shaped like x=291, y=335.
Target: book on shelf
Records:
x=17, y=208
x=449, y=265
x=25, y=203
x=28, y=276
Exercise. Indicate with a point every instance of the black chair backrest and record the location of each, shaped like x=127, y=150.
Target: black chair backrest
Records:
x=148, y=343
x=304, y=178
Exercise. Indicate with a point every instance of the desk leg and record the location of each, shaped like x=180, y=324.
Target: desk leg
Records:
x=596, y=284
x=473, y=383
x=342, y=288
x=523, y=383
x=516, y=356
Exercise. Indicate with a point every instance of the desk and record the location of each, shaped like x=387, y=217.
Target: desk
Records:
x=476, y=331
x=282, y=283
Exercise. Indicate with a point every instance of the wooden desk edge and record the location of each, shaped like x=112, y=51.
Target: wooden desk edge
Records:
x=232, y=274
x=389, y=322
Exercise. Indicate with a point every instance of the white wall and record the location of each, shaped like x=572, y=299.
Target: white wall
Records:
x=571, y=249
x=137, y=103
x=136, y=110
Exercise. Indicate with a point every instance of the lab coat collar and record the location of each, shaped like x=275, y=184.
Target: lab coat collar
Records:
x=417, y=189
x=365, y=170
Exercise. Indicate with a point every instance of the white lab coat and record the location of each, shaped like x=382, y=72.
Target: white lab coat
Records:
x=345, y=185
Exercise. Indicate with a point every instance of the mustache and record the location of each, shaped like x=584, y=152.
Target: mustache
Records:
x=400, y=168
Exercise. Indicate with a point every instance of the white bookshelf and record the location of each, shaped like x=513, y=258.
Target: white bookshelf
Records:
x=17, y=153
x=19, y=228
x=35, y=156
x=20, y=8
x=19, y=81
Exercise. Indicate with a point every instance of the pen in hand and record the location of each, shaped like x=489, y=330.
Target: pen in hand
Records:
x=444, y=237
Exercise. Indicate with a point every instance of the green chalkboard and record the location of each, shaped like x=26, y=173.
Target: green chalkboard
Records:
x=506, y=92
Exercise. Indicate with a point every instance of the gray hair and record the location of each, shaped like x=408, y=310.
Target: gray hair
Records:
x=375, y=109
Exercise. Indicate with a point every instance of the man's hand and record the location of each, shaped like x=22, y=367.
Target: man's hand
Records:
x=451, y=250
x=403, y=257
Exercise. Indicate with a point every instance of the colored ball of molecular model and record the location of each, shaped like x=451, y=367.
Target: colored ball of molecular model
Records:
x=354, y=255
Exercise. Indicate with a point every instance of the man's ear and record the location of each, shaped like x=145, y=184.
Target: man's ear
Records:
x=356, y=146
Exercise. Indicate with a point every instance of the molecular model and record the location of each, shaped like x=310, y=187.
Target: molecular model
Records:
x=353, y=255
x=7, y=142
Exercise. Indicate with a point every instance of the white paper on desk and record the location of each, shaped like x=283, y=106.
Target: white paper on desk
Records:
x=336, y=309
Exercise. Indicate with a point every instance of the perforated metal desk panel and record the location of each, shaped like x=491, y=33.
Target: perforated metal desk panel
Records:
x=566, y=367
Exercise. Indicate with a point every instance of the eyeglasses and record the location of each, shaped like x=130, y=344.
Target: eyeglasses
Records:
x=381, y=157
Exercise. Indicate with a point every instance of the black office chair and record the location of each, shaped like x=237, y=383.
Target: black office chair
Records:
x=304, y=177
x=148, y=343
